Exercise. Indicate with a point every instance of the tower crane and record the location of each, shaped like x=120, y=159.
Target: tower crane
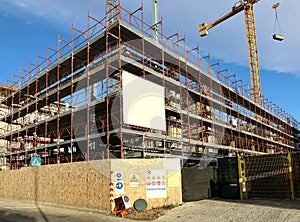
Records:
x=247, y=7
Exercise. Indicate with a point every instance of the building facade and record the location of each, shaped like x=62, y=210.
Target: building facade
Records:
x=114, y=91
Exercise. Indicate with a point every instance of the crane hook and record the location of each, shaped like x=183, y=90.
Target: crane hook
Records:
x=275, y=5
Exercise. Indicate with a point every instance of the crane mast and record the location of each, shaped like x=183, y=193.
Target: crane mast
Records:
x=247, y=7
x=253, y=54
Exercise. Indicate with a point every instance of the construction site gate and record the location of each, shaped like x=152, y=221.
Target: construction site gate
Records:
x=272, y=176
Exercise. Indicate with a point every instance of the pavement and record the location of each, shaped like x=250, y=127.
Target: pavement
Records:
x=214, y=210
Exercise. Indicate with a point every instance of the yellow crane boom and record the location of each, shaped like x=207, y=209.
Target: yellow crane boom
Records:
x=247, y=7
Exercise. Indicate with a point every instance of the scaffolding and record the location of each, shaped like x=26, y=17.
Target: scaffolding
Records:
x=68, y=105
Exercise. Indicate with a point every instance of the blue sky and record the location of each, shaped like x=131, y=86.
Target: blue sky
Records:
x=28, y=26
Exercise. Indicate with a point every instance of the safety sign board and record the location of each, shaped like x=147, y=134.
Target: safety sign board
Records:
x=119, y=187
x=118, y=175
x=156, y=184
x=35, y=161
x=126, y=202
x=134, y=180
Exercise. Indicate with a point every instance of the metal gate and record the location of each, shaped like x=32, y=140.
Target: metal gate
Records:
x=272, y=176
x=295, y=159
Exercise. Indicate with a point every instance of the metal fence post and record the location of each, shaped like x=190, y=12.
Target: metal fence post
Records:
x=240, y=176
x=291, y=176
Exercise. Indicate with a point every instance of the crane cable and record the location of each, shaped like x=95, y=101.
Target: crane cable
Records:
x=277, y=27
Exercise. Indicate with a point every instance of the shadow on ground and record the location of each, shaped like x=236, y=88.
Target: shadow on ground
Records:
x=13, y=216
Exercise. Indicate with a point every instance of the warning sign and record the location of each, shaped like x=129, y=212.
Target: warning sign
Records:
x=35, y=161
x=134, y=180
x=156, y=184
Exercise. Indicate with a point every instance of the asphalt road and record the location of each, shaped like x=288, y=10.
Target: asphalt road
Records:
x=27, y=211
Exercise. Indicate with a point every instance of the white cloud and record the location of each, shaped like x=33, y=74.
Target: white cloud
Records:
x=21, y=4
x=227, y=41
x=60, y=12
x=41, y=13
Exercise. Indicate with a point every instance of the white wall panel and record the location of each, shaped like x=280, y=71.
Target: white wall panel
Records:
x=143, y=102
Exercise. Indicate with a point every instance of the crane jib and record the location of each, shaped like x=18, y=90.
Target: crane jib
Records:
x=247, y=7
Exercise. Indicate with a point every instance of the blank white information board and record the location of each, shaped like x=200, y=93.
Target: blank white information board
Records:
x=143, y=102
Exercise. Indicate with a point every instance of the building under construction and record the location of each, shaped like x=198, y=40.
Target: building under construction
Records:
x=121, y=90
